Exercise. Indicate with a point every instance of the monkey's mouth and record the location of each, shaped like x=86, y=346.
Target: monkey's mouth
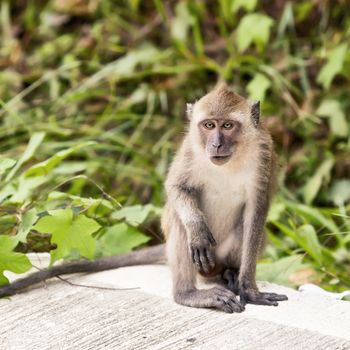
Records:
x=219, y=160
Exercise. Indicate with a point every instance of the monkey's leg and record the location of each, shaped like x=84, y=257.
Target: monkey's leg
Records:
x=184, y=278
x=230, y=281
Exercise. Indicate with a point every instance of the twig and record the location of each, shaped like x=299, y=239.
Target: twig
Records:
x=85, y=285
x=93, y=287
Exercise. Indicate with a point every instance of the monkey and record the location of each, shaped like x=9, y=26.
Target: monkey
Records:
x=218, y=188
x=218, y=191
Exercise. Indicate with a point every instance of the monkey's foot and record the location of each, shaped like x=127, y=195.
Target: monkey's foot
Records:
x=218, y=298
x=229, y=279
x=253, y=296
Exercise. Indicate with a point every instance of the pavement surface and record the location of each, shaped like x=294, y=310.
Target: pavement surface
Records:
x=136, y=311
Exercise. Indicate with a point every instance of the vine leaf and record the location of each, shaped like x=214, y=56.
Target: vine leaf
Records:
x=280, y=271
x=258, y=86
x=253, y=28
x=34, y=142
x=332, y=110
x=28, y=220
x=121, y=238
x=136, y=214
x=10, y=260
x=333, y=66
x=70, y=234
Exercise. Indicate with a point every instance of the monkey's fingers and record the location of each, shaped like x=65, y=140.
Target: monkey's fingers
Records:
x=274, y=296
x=226, y=301
x=196, y=259
x=192, y=254
x=235, y=305
x=263, y=301
x=210, y=257
x=270, y=299
x=211, y=239
x=204, y=260
x=256, y=300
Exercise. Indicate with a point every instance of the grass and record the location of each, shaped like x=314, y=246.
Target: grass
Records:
x=119, y=73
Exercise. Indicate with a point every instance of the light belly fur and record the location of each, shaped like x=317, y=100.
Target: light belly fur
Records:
x=222, y=203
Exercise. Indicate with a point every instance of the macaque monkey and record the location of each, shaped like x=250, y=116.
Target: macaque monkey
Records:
x=219, y=187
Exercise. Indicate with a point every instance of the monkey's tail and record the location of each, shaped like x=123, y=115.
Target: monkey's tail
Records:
x=149, y=255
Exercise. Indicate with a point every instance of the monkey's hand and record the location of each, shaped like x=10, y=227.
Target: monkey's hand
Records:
x=252, y=295
x=202, y=252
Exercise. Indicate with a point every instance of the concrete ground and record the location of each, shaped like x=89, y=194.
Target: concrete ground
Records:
x=61, y=316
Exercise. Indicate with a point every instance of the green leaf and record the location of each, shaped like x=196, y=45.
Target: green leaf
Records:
x=286, y=20
x=313, y=185
x=312, y=215
x=33, y=144
x=20, y=190
x=9, y=260
x=334, y=65
x=308, y=240
x=47, y=165
x=127, y=64
x=279, y=271
x=121, y=238
x=332, y=110
x=276, y=210
x=28, y=220
x=80, y=201
x=5, y=164
x=182, y=22
x=340, y=192
x=71, y=234
x=248, y=5
x=258, y=86
x=136, y=214
x=253, y=28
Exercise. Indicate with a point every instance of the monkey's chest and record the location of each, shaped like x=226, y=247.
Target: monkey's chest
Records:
x=222, y=205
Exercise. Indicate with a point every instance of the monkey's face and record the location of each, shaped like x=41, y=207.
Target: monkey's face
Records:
x=222, y=124
x=219, y=138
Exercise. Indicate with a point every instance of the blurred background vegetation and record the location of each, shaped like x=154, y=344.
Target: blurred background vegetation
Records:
x=93, y=95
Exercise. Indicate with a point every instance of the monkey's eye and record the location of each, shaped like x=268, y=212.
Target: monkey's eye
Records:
x=228, y=125
x=209, y=125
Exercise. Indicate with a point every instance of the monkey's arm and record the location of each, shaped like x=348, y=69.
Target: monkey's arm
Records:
x=184, y=200
x=253, y=239
x=150, y=255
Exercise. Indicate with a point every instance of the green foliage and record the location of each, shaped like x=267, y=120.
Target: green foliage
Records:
x=11, y=261
x=136, y=214
x=69, y=233
x=248, y=5
x=27, y=221
x=121, y=238
x=332, y=110
x=258, y=86
x=34, y=142
x=93, y=105
x=253, y=28
x=313, y=185
x=279, y=271
x=340, y=192
x=334, y=65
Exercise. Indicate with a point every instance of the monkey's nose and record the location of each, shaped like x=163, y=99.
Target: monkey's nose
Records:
x=217, y=145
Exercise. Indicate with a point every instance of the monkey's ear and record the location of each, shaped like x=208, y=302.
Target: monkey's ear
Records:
x=189, y=110
x=255, y=113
